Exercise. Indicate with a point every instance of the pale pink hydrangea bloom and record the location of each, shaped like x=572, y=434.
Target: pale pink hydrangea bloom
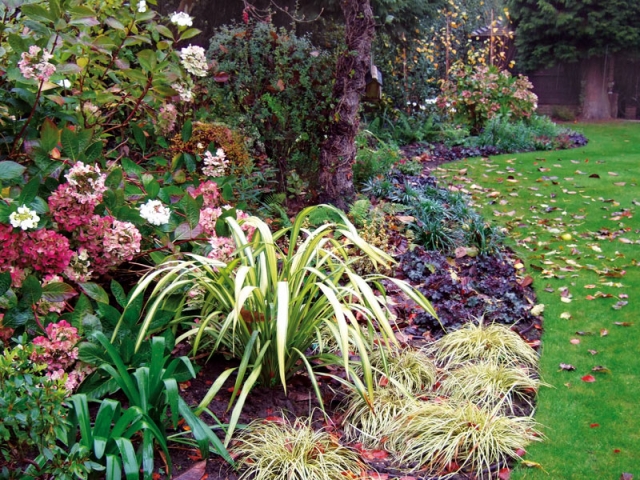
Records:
x=215, y=165
x=166, y=121
x=79, y=269
x=87, y=182
x=208, y=218
x=58, y=348
x=222, y=248
x=209, y=191
x=35, y=64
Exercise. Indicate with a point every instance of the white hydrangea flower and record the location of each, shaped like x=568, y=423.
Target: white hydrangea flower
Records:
x=64, y=83
x=155, y=213
x=194, y=60
x=181, y=19
x=24, y=218
x=142, y=6
x=186, y=94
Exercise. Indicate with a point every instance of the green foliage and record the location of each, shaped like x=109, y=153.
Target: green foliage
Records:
x=267, y=307
x=549, y=32
x=474, y=95
x=278, y=83
x=153, y=390
x=373, y=157
x=535, y=133
x=107, y=72
x=282, y=450
x=399, y=127
x=31, y=407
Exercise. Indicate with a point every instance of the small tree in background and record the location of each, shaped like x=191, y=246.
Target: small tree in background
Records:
x=552, y=31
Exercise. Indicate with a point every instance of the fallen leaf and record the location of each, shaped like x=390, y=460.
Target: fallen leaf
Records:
x=588, y=378
x=197, y=472
x=537, y=310
x=566, y=366
x=565, y=316
x=600, y=368
x=575, y=341
x=620, y=304
x=623, y=324
x=593, y=352
x=604, y=332
x=504, y=474
x=594, y=425
x=530, y=464
x=626, y=476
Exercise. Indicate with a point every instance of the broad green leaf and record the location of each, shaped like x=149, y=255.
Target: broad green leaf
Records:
x=187, y=130
x=29, y=192
x=191, y=210
x=147, y=59
x=118, y=293
x=95, y=292
x=189, y=33
x=113, y=23
x=49, y=135
x=138, y=134
x=57, y=292
x=114, y=179
x=5, y=282
x=10, y=170
x=31, y=291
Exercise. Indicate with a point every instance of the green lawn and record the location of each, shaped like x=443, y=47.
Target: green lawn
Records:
x=589, y=283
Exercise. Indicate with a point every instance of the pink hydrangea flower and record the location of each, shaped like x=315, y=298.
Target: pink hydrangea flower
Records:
x=66, y=209
x=87, y=183
x=209, y=191
x=35, y=64
x=166, y=120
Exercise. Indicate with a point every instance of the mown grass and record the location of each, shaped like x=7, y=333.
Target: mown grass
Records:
x=593, y=428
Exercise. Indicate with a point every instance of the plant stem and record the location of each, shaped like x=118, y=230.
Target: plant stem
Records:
x=26, y=124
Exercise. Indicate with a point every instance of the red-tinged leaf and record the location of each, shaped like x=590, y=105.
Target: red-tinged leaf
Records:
x=384, y=381
x=590, y=286
x=380, y=454
x=521, y=452
x=594, y=425
x=275, y=419
x=623, y=324
x=221, y=77
x=280, y=85
x=588, y=378
x=197, y=472
x=594, y=175
x=575, y=341
x=590, y=297
x=407, y=478
x=593, y=352
x=534, y=343
x=504, y=474
x=626, y=476
x=616, y=450
x=567, y=366
x=604, y=332
x=526, y=281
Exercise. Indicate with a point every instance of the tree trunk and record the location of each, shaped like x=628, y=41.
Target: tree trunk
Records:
x=596, y=105
x=339, y=151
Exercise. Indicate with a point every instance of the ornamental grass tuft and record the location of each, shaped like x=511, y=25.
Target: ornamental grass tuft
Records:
x=494, y=342
x=284, y=451
x=438, y=437
x=489, y=384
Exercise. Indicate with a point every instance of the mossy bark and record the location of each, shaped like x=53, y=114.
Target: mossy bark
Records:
x=339, y=151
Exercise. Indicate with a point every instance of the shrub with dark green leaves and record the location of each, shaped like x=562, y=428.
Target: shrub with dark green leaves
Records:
x=30, y=406
x=279, y=84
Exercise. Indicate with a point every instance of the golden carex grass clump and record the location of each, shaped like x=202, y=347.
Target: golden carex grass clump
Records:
x=410, y=368
x=284, y=451
x=494, y=342
x=203, y=134
x=489, y=384
x=370, y=424
x=435, y=436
